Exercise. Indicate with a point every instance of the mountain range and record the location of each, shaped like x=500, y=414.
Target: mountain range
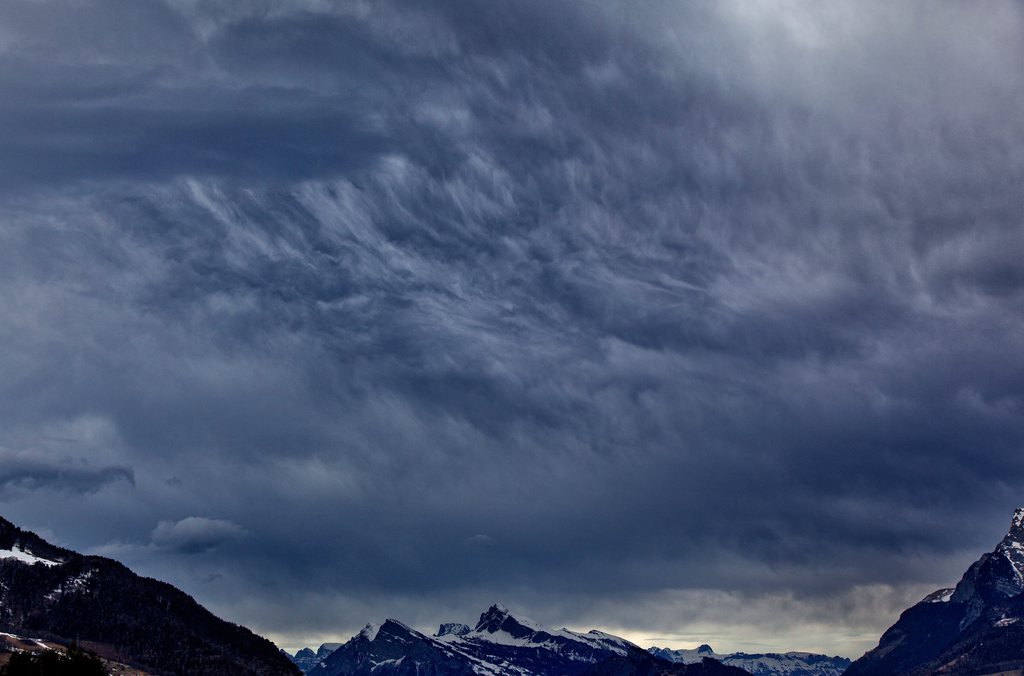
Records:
x=503, y=643
x=306, y=658
x=762, y=664
x=500, y=643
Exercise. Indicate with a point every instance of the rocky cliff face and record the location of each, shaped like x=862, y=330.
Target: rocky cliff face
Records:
x=974, y=628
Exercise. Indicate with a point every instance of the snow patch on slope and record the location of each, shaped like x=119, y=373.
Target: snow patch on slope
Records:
x=940, y=596
x=369, y=632
x=72, y=585
x=19, y=554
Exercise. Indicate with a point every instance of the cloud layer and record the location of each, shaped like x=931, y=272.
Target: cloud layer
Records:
x=585, y=307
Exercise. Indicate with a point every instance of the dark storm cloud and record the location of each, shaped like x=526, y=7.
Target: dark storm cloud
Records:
x=141, y=97
x=231, y=139
x=630, y=315
x=26, y=471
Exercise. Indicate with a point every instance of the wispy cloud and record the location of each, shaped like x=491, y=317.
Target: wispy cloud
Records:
x=700, y=299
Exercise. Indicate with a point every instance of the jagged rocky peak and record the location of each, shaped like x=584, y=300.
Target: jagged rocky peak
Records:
x=305, y=659
x=1017, y=524
x=1012, y=546
x=975, y=630
x=453, y=629
x=387, y=632
x=499, y=618
x=493, y=616
x=999, y=574
x=391, y=627
x=705, y=649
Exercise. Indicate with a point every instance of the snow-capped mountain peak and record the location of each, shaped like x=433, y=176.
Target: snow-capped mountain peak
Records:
x=1018, y=521
x=492, y=618
x=499, y=619
x=1016, y=533
x=1012, y=546
x=999, y=574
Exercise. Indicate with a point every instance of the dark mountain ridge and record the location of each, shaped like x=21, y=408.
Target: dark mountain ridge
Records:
x=52, y=592
x=974, y=628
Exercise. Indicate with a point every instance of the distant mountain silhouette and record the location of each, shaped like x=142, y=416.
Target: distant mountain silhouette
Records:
x=762, y=664
x=652, y=665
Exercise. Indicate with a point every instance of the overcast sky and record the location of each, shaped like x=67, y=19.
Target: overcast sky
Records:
x=692, y=321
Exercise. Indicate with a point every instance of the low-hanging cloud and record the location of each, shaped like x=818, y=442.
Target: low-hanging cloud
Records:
x=195, y=534
x=35, y=471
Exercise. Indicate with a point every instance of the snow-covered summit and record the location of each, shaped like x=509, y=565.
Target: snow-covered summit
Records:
x=498, y=618
x=1014, y=539
x=1017, y=523
x=1012, y=547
